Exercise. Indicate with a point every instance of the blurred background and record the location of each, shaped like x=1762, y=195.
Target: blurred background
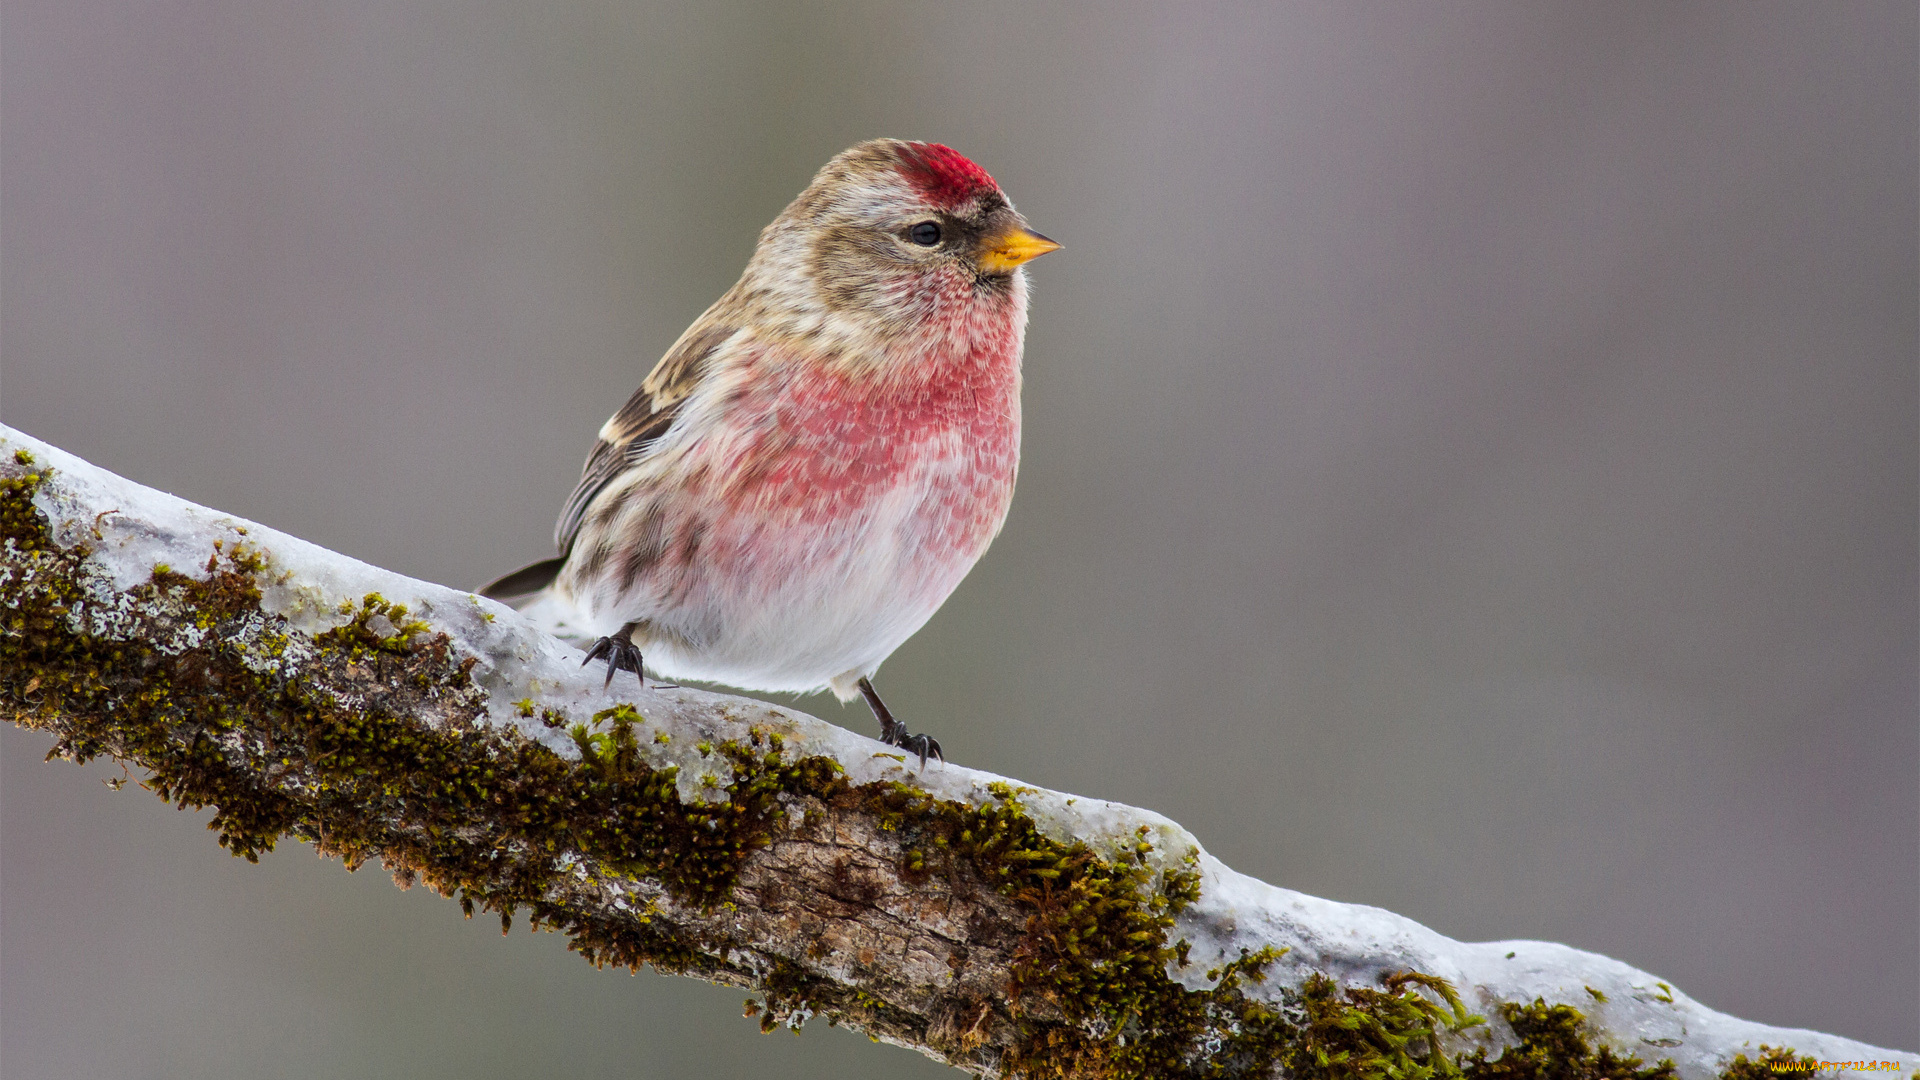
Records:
x=1470, y=458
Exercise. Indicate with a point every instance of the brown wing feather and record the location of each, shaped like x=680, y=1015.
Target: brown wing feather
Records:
x=643, y=419
x=674, y=377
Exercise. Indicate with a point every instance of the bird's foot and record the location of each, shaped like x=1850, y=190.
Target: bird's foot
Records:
x=620, y=653
x=894, y=733
x=925, y=746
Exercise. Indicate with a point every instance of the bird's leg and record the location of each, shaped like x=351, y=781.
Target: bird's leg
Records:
x=619, y=652
x=894, y=733
x=891, y=730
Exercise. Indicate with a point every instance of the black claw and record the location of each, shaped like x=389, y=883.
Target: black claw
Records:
x=620, y=653
x=924, y=745
x=894, y=733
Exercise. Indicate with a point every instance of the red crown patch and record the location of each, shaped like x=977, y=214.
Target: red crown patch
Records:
x=944, y=175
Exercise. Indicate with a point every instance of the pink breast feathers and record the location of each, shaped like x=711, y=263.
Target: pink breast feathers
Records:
x=833, y=447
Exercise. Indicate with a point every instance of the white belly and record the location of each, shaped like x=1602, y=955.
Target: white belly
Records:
x=786, y=605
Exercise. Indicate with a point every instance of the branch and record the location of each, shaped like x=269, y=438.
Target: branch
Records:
x=998, y=927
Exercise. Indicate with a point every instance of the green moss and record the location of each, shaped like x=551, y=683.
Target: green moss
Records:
x=1553, y=1047
x=1774, y=1064
x=375, y=625
x=230, y=590
x=20, y=522
x=792, y=996
x=1095, y=944
x=1366, y=1034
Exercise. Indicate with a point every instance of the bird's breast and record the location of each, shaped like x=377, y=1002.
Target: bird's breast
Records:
x=939, y=440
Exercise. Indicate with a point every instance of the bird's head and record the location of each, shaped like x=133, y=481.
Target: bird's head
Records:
x=895, y=234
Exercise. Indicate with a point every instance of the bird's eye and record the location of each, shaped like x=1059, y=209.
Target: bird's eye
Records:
x=926, y=234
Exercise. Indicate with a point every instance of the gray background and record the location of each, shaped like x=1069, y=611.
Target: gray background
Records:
x=1470, y=462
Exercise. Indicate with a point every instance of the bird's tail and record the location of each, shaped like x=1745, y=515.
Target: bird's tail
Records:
x=528, y=591
x=524, y=582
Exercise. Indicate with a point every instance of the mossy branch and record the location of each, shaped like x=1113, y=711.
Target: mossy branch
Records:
x=1001, y=928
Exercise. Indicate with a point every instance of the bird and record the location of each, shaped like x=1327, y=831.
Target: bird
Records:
x=814, y=465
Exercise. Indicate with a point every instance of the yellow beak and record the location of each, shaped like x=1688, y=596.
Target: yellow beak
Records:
x=1013, y=247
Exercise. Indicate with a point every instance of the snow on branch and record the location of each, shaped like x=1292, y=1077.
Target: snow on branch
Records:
x=1002, y=928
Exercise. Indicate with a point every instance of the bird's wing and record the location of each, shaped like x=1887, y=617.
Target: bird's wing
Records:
x=646, y=416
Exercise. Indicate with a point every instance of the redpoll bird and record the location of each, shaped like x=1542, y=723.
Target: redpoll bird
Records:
x=811, y=469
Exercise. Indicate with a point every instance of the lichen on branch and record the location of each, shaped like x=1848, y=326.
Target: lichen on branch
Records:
x=999, y=927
